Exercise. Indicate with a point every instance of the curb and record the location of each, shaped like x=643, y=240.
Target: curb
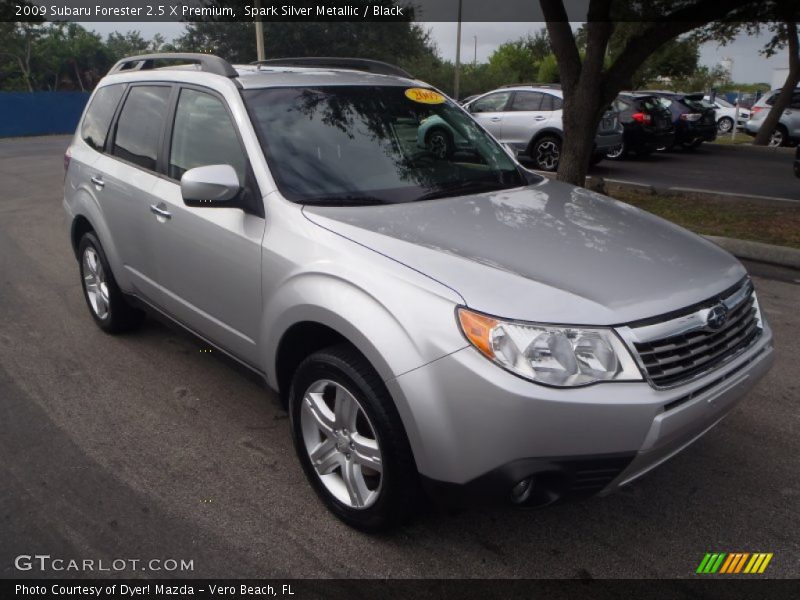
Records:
x=767, y=253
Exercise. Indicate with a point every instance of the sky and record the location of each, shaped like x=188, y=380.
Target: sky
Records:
x=748, y=65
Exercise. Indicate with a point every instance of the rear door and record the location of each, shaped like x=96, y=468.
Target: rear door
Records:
x=208, y=259
x=125, y=176
x=524, y=118
x=489, y=111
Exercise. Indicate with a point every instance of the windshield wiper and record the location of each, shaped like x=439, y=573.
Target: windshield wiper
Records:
x=466, y=187
x=346, y=200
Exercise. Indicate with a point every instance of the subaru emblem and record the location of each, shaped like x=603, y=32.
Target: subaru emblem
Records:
x=717, y=316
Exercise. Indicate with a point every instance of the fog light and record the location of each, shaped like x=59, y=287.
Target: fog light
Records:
x=522, y=491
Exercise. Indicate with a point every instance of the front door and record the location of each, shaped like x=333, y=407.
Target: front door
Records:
x=208, y=260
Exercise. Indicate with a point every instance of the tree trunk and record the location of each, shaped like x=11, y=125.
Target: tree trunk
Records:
x=785, y=97
x=78, y=75
x=580, y=118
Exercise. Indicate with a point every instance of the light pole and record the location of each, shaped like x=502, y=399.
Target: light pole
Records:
x=259, y=34
x=458, y=53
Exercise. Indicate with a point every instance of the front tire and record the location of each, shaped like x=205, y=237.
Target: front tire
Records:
x=546, y=152
x=779, y=137
x=617, y=152
x=350, y=441
x=105, y=300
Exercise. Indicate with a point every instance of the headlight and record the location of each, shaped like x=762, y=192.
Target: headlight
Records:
x=552, y=355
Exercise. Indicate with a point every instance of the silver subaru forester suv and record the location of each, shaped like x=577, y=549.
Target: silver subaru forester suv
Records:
x=448, y=324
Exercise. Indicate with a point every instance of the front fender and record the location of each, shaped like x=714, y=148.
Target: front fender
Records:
x=396, y=330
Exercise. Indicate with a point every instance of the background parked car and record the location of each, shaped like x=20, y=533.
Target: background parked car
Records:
x=647, y=125
x=528, y=119
x=788, y=129
x=693, y=118
x=726, y=114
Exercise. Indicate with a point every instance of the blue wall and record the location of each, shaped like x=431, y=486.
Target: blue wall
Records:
x=40, y=113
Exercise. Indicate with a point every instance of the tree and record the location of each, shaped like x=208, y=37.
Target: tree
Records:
x=17, y=50
x=785, y=33
x=518, y=61
x=589, y=85
x=515, y=62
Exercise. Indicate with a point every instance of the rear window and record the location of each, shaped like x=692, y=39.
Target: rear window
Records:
x=525, y=101
x=140, y=125
x=99, y=114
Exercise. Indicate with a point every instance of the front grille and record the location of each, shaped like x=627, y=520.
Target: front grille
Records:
x=679, y=357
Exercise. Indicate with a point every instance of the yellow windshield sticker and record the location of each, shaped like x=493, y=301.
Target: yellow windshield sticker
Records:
x=424, y=96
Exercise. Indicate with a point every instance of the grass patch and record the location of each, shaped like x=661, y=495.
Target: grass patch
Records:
x=741, y=139
x=770, y=223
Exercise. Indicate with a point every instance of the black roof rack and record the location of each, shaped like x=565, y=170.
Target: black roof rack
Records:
x=358, y=64
x=207, y=62
x=554, y=86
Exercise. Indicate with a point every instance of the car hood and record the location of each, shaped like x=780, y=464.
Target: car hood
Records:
x=549, y=252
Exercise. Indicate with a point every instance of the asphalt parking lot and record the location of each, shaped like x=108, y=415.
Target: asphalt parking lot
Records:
x=143, y=446
x=733, y=170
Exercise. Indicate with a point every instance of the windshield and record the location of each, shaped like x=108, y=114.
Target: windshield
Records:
x=723, y=102
x=374, y=145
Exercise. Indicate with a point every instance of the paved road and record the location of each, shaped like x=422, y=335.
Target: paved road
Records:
x=712, y=167
x=143, y=447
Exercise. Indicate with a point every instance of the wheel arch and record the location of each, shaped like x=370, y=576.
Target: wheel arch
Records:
x=547, y=131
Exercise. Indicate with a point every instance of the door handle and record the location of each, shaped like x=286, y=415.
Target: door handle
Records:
x=539, y=118
x=160, y=212
x=495, y=119
x=98, y=181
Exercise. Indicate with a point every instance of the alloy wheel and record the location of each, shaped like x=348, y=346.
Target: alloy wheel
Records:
x=95, y=283
x=616, y=151
x=341, y=444
x=547, y=155
x=724, y=125
x=776, y=139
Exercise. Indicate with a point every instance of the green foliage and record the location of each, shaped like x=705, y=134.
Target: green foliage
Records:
x=62, y=56
x=548, y=70
x=519, y=61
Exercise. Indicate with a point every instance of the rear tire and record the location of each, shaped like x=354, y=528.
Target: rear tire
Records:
x=105, y=300
x=342, y=414
x=724, y=125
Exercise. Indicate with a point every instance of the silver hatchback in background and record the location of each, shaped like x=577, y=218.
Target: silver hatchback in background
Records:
x=528, y=118
x=788, y=129
x=438, y=321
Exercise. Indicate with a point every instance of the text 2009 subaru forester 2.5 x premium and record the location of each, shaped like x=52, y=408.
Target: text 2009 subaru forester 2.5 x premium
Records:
x=451, y=320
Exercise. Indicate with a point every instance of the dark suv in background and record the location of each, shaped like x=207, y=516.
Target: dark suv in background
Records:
x=694, y=118
x=647, y=125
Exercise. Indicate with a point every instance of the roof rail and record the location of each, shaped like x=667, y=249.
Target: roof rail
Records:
x=358, y=64
x=554, y=86
x=207, y=62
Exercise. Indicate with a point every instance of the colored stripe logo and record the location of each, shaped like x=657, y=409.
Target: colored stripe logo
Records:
x=734, y=562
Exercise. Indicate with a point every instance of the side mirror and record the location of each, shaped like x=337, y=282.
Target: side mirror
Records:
x=212, y=185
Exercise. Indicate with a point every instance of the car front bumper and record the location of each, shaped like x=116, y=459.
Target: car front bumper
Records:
x=477, y=430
